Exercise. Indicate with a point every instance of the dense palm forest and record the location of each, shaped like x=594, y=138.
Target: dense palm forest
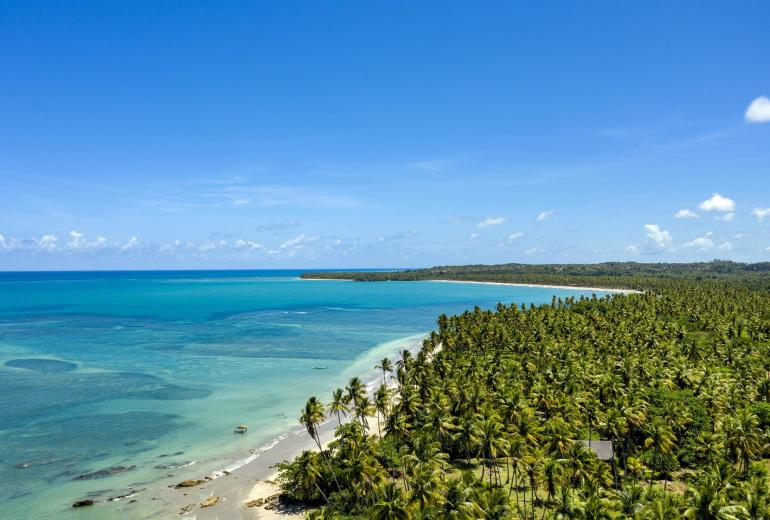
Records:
x=498, y=415
x=627, y=275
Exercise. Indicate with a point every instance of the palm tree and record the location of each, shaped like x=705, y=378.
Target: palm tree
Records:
x=494, y=504
x=391, y=505
x=706, y=502
x=630, y=500
x=339, y=405
x=742, y=438
x=356, y=390
x=492, y=444
x=661, y=440
x=312, y=416
x=425, y=487
x=381, y=405
x=386, y=366
x=664, y=507
x=458, y=501
x=308, y=474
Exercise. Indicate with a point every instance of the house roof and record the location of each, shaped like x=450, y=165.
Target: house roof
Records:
x=602, y=449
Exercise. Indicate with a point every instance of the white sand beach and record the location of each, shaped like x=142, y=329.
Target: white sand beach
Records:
x=545, y=286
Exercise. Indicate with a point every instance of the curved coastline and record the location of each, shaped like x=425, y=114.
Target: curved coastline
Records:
x=512, y=284
x=252, y=477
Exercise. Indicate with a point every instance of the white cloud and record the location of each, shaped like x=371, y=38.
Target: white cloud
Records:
x=240, y=202
x=717, y=203
x=515, y=236
x=758, y=111
x=631, y=249
x=726, y=246
x=491, y=221
x=545, y=214
x=78, y=242
x=297, y=243
x=248, y=245
x=170, y=247
x=760, y=213
x=661, y=237
x=685, y=213
x=727, y=217
x=47, y=242
x=3, y=243
x=473, y=236
x=703, y=243
x=132, y=243
x=212, y=245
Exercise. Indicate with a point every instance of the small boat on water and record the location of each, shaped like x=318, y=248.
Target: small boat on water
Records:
x=241, y=428
x=320, y=368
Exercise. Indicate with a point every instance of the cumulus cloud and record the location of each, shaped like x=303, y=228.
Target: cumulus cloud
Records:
x=3, y=243
x=293, y=245
x=661, y=237
x=727, y=217
x=545, y=214
x=248, y=245
x=685, y=213
x=726, y=246
x=717, y=203
x=132, y=243
x=473, y=236
x=170, y=247
x=703, y=243
x=631, y=249
x=212, y=245
x=79, y=242
x=515, y=236
x=758, y=111
x=491, y=221
x=47, y=242
x=760, y=213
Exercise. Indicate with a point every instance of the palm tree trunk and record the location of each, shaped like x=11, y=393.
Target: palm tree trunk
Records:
x=326, y=499
x=317, y=440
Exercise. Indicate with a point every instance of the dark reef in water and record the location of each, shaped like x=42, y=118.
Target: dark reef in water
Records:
x=106, y=472
x=42, y=365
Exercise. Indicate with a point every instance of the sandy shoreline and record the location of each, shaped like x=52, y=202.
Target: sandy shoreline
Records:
x=545, y=286
x=515, y=284
x=254, y=480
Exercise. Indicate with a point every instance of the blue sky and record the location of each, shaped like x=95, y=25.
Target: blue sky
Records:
x=363, y=134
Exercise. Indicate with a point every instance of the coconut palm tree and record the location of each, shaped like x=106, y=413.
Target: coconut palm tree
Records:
x=391, y=505
x=339, y=405
x=386, y=366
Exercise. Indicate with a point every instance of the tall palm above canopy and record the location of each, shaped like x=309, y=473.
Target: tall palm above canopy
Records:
x=386, y=366
x=339, y=405
x=311, y=417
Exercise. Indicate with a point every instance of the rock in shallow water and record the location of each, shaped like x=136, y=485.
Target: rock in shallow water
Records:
x=210, y=501
x=83, y=503
x=189, y=483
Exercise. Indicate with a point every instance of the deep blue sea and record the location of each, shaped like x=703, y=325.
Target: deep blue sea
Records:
x=111, y=381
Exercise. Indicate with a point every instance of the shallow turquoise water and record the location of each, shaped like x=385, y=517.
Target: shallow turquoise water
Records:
x=111, y=382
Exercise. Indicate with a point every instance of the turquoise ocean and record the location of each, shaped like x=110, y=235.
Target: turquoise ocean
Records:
x=113, y=382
